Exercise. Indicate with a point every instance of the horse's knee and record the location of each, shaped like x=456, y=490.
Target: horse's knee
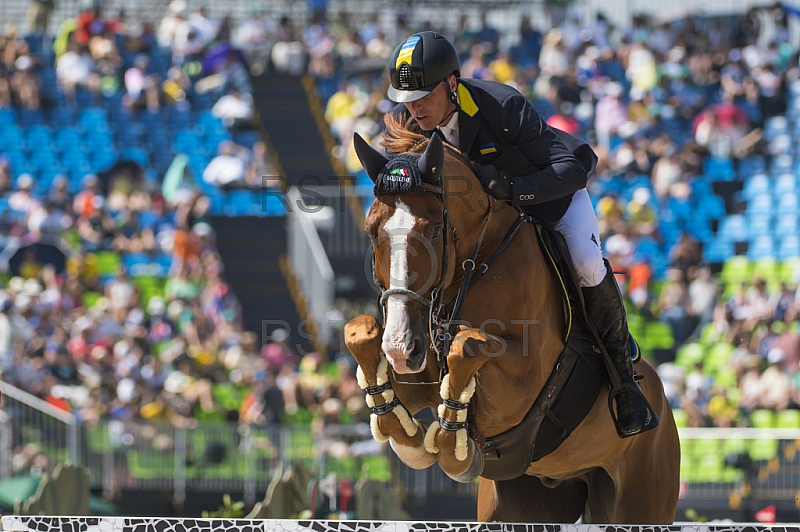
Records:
x=362, y=335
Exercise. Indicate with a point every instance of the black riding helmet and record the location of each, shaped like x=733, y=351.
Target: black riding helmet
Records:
x=419, y=64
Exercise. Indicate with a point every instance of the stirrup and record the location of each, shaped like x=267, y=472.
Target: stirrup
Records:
x=652, y=418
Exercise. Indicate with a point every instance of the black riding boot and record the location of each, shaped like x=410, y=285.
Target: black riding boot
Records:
x=604, y=309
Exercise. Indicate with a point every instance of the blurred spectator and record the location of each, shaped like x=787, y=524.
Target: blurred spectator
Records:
x=23, y=200
x=227, y=169
x=253, y=36
x=141, y=88
x=39, y=12
x=75, y=69
x=235, y=109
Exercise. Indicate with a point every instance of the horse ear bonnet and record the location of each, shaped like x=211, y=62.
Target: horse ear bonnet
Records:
x=401, y=174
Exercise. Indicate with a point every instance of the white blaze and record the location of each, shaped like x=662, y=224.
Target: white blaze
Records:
x=399, y=226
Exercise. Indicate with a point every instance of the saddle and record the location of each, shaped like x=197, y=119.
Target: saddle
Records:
x=572, y=388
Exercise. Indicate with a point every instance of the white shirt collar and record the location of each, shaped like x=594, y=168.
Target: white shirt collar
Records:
x=450, y=129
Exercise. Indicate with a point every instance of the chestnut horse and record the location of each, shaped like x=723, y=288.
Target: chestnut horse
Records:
x=430, y=224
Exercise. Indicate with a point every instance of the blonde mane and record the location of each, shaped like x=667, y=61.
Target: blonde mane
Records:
x=403, y=135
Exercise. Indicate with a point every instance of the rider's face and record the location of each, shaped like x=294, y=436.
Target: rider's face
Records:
x=432, y=110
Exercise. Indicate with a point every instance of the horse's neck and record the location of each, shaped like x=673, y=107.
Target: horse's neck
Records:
x=497, y=221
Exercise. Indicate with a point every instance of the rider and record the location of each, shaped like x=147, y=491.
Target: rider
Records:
x=527, y=163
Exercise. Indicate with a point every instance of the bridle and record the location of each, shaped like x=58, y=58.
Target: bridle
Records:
x=443, y=317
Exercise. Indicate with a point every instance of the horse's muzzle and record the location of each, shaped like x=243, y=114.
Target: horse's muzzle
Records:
x=410, y=358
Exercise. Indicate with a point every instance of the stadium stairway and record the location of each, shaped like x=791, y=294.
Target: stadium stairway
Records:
x=252, y=248
x=291, y=118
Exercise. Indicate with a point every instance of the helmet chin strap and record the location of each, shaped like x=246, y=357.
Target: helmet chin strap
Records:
x=447, y=117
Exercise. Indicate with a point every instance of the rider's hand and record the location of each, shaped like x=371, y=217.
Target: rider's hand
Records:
x=495, y=182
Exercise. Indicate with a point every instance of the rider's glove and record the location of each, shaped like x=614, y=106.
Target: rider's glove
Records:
x=495, y=182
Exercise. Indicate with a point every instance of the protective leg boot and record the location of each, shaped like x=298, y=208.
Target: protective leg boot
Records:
x=605, y=310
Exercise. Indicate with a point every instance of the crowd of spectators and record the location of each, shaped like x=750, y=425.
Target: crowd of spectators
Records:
x=656, y=100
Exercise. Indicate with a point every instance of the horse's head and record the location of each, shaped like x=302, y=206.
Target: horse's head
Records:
x=406, y=225
x=413, y=240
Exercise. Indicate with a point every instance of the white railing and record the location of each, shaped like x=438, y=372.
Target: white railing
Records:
x=28, y=419
x=310, y=263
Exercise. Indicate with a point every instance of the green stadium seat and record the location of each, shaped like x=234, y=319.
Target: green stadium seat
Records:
x=762, y=418
x=788, y=419
x=90, y=298
x=689, y=355
x=726, y=376
x=681, y=417
x=707, y=468
x=767, y=268
x=108, y=263
x=717, y=357
x=762, y=448
x=790, y=268
x=736, y=270
x=658, y=335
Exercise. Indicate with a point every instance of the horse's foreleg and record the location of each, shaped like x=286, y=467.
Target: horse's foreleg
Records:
x=460, y=456
x=390, y=420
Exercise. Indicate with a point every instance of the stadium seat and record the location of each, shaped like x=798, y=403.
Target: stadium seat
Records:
x=712, y=206
x=786, y=224
x=717, y=356
x=781, y=164
x=762, y=418
x=719, y=168
x=689, y=355
x=789, y=247
x=761, y=449
x=734, y=228
x=762, y=246
x=785, y=183
x=681, y=417
x=759, y=223
x=718, y=250
x=760, y=204
x=756, y=185
x=788, y=204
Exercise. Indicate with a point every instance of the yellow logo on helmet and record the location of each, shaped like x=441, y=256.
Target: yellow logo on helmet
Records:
x=407, y=50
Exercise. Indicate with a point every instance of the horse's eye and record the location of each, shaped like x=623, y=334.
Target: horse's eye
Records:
x=437, y=233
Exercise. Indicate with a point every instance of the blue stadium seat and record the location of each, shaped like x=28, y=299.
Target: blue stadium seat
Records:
x=62, y=117
x=755, y=185
x=7, y=116
x=788, y=204
x=786, y=224
x=700, y=228
x=67, y=138
x=719, y=168
x=760, y=204
x=775, y=126
x=38, y=137
x=781, y=164
x=139, y=155
x=713, y=206
x=763, y=246
x=242, y=202
x=789, y=247
x=785, y=183
x=759, y=224
x=10, y=136
x=681, y=208
x=92, y=116
x=31, y=117
x=734, y=228
x=718, y=250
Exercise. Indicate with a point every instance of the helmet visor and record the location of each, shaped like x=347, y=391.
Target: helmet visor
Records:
x=400, y=96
